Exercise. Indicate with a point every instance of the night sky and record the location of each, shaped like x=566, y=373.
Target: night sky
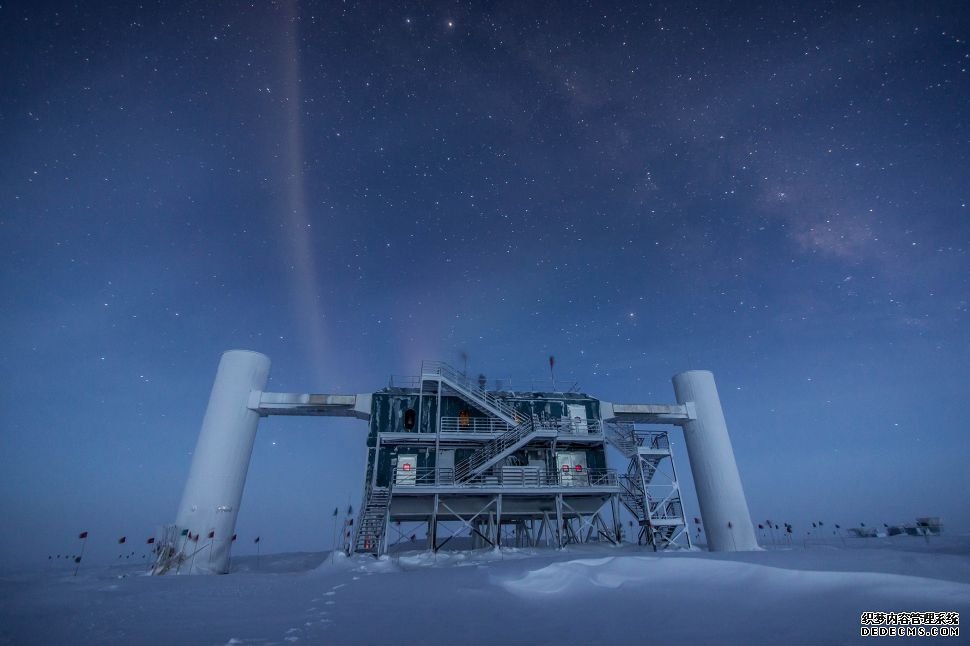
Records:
x=775, y=193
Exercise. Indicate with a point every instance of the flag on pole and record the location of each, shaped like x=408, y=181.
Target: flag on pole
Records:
x=212, y=534
x=122, y=540
x=233, y=538
x=82, y=535
x=150, y=540
x=257, y=540
x=185, y=532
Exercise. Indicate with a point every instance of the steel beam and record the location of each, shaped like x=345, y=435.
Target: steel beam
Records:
x=306, y=404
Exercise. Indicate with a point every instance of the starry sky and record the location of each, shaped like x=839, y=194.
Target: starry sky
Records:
x=777, y=192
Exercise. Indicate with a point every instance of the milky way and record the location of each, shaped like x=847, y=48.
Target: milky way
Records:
x=777, y=193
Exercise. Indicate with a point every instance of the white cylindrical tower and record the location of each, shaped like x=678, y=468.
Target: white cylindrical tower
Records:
x=724, y=509
x=213, y=490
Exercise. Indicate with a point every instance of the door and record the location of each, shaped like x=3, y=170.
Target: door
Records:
x=446, y=466
x=566, y=465
x=572, y=468
x=407, y=467
x=578, y=420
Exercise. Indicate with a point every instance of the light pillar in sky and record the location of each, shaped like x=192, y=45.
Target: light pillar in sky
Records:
x=720, y=495
x=213, y=490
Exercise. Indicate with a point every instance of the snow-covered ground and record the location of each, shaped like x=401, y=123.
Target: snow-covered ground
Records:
x=580, y=595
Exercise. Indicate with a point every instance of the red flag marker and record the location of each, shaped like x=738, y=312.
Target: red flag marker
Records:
x=212, y=534
x=83, y=536
x=122, y=540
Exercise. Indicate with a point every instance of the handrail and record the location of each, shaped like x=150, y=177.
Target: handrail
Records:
x=506, y=476
x=404, y=381
x=569, y=425
x=372, y=517
x=480, y=397
x=493, y=448
x=474, y=425
x=621, y=437
x=471, y=389
x=626, y=438
x=495, y=425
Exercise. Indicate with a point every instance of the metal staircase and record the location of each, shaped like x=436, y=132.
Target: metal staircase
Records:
x=371, y=524
x=622, y=437
x=498, y=449
x=655, y=504
x=522, y=432
x=470, y=392
x=633, y=498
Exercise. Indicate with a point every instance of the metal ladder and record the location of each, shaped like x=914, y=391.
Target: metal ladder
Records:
x=372, y=521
